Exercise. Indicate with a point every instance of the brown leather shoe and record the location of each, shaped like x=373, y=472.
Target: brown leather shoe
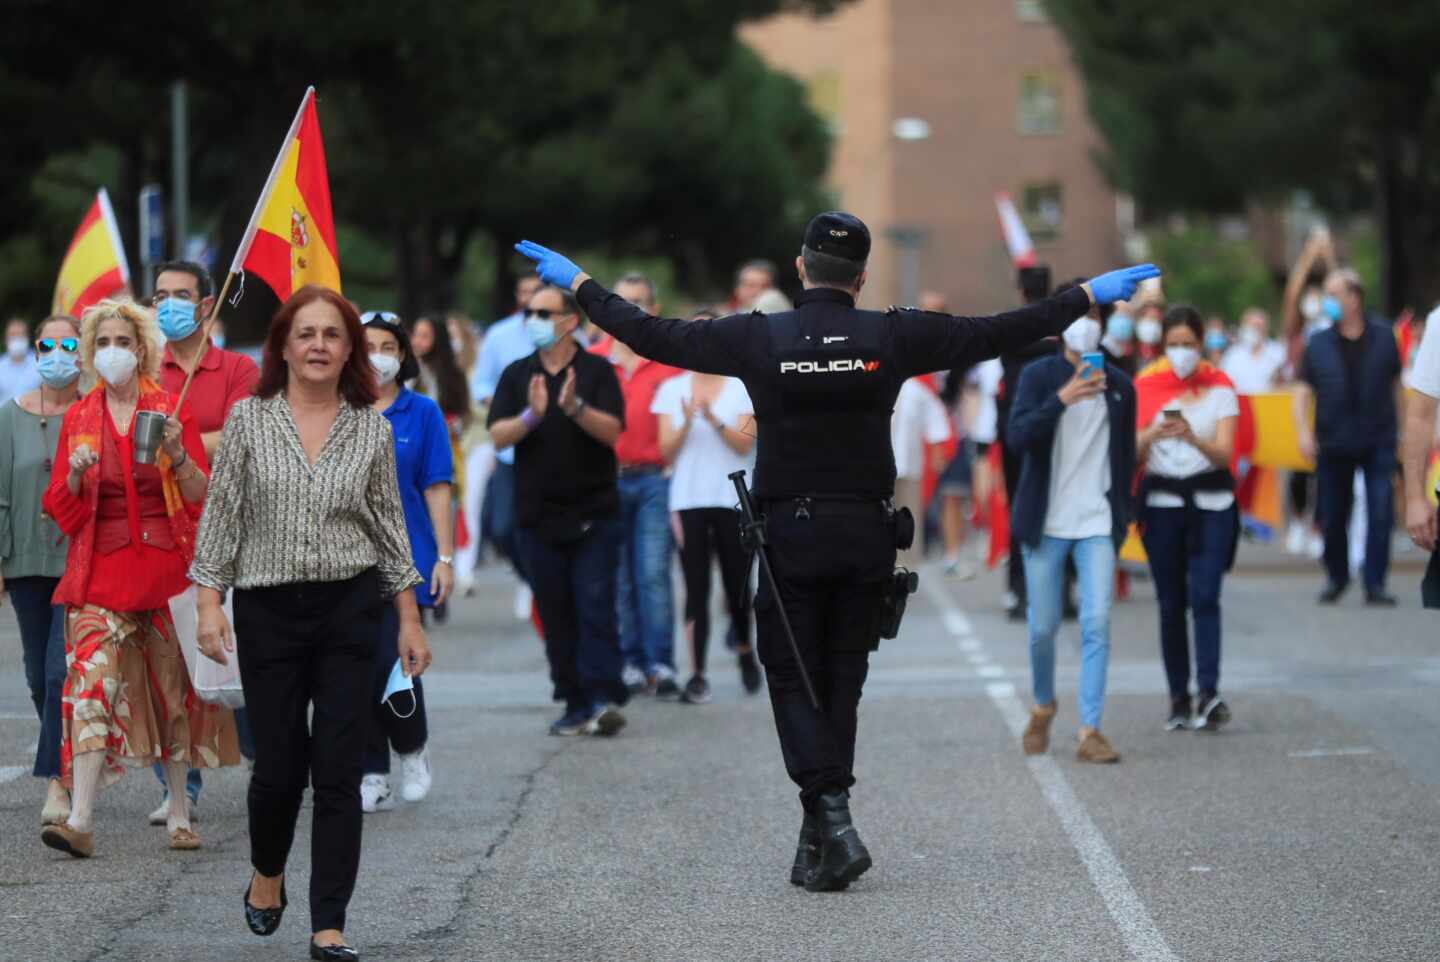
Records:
x=1037, y=733
x=63, y=838
x=184, y=840
x=1094, y=748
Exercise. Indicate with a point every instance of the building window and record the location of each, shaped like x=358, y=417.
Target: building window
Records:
x=1031, y=11
x=1039, y=107
x=1042, y=207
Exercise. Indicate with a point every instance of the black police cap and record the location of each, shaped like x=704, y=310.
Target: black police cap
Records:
x=840, y=235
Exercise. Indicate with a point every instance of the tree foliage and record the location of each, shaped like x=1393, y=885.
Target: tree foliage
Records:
x=1208, y=103
x=640, y=126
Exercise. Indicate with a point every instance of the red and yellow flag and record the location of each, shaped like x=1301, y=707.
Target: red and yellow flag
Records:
x=290, y=241
x=94, y=267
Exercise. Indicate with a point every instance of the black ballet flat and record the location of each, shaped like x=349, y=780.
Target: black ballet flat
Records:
x=264, y=921
x=333, y=953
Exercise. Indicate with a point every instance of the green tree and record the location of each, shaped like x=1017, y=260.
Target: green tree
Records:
x=1209, y=103
x=640, y=126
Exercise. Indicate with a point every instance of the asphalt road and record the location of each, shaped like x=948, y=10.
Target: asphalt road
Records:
x=1309, y=830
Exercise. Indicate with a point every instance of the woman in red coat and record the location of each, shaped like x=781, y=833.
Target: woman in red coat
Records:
x=127, y=697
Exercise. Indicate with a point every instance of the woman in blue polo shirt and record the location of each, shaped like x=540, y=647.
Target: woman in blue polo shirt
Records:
x=425, y=468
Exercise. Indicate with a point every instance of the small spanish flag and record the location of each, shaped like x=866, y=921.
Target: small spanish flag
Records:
x=94, y=267
x=290, y=241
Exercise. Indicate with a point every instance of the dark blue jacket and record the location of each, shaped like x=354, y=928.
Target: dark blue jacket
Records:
x=1034, y=419
x=1353, y=419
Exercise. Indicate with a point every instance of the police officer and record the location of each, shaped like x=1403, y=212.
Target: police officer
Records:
x=824, y=378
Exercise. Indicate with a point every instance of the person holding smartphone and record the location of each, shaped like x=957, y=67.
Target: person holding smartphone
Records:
x=1187, y=417
x=1073, y=424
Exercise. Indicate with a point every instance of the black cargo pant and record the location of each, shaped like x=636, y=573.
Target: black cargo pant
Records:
x=832, y=569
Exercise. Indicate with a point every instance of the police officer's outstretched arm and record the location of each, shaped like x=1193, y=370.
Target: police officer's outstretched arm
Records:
x=934, y=342
x=710, y=347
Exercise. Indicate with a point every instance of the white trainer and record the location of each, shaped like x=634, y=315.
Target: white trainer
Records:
x=415, y=775
x=375, y=794
x=523, y=599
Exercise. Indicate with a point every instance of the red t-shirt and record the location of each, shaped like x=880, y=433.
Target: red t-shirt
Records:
x=223, y=378
x=640, y=441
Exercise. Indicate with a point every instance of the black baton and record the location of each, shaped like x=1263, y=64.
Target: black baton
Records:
x=752, y=534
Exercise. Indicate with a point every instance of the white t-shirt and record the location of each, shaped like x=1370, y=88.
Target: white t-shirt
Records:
x=17, y=377
x=700, y=475
x=1079, y=505
x=919, y=419
x=1174, y=458
x=1425, y=369
x=986, y=376
x=1254, y=373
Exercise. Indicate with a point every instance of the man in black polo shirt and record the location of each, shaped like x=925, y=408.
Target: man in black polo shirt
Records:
x=562, y=411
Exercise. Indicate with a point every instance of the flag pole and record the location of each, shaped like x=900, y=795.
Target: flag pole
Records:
x=246, y=240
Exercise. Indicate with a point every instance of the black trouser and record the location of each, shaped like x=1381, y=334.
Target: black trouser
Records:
x=707, y=533
x=387, y=729
x=1010, y=461
x=303, y=644
x=832, y=571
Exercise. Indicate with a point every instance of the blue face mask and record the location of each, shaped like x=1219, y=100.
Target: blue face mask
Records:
x=542, y=333
x=399, y=682
x=176, y=318
x=1332, y=309
x=1121, y=327
x=1216, y=341
x=59, y=368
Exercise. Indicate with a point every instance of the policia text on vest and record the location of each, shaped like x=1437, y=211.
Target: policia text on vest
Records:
x=824, y=378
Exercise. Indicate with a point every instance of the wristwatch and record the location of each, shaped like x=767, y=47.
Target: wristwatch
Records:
x=579, y=407
x=446, y=559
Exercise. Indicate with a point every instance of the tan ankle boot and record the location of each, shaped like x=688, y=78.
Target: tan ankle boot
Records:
x=1094, y=747
x=1037, y=732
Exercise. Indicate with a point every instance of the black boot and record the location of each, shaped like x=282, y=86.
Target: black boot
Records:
x=807, y=852
x=843, y=857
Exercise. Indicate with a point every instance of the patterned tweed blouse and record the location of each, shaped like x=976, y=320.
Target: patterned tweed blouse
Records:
x=272, y=519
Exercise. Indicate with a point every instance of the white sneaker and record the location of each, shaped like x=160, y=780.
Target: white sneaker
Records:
x=375, y=794
x=1295, y=538
x=523, y=598
x=161, y=815
x=1316, y=547
x=960, y=568
x=633, y=678
x=415, y=775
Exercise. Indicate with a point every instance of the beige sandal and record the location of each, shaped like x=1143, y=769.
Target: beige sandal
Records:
x=184, y=840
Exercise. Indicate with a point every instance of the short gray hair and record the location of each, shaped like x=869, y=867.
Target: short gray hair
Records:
x=635, y=277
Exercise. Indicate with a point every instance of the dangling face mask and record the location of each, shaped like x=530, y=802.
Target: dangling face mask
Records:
x=1083, y=335
x=386, y=367
x=399, y=683
x=116, y=365
x=1183, y=360
x=176, y=318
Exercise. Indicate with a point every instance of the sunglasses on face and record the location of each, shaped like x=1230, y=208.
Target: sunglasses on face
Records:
x=67, y=344
x=545, y=314
x=389, y=317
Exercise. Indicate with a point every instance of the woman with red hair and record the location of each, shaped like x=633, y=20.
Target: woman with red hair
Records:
x=304, y=521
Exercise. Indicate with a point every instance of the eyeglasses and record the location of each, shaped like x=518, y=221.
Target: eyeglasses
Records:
x=67, y=344
x=545, y=314
x=389, y=317
x=159, y=296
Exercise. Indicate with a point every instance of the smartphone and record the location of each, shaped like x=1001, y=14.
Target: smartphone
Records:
x=1093, y=361
x=1174, y=414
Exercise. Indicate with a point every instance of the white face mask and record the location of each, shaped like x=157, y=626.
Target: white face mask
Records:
x=386, y=367
x=116, y=365
x=17, y=347
x=1250, y=337
x=1310, y=306
x=1183, y=360
x=1148, y=331
x=1082, y=336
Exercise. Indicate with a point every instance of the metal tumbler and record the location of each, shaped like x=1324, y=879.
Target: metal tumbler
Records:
x=149, y=430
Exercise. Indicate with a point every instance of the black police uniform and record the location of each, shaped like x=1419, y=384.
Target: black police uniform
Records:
x=823, y=379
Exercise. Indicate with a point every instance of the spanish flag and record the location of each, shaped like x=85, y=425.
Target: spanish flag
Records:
x=94, y=267
x=290, y=241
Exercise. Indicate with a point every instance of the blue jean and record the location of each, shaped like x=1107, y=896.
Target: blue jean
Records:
x=1045, y=580
x=497, y=515
x=193, y=781
x=644, y=601
x=42, y=640
x=574, y=587
x=1185, y=580
x=1335, y=475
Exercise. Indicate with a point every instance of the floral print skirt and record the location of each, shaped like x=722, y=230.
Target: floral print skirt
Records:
x=128, y=694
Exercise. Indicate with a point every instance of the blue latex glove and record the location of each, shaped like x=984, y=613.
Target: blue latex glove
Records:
x=553, y=268
x=1119, y=285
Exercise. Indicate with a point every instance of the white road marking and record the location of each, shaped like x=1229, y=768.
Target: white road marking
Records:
x=978, y=658
x=1136, y=927
x=991, y=671
x=11, y=771
x=969, y=646
x=956, y=623
x=1332, y=752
